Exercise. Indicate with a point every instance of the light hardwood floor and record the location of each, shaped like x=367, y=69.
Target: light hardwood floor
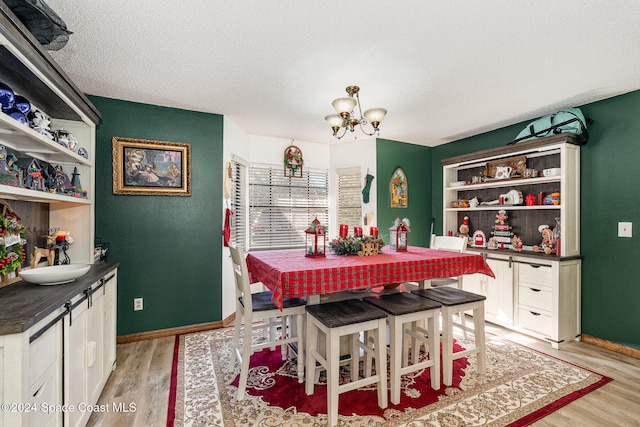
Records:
x=143, y=376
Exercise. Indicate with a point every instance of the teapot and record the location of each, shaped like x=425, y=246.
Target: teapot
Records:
x=503, y=172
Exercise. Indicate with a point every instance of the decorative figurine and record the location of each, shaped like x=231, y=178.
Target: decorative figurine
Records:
x=516, y=242
x=39, y=122
x=547, y=245
x=464, y=228
x=66, y=139
x=501, y=230
x=479, y=240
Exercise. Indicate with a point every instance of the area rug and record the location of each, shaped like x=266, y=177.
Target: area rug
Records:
x=519, y=387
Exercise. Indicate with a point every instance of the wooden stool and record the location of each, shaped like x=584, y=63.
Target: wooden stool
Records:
x=337, y=319
x=456, y=300
x=406, y=308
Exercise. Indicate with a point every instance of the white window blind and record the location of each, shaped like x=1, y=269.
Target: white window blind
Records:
x=239, y=202
x=281, y=208
x=349, y=194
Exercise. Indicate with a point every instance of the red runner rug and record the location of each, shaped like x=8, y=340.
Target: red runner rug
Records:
x=520, y=386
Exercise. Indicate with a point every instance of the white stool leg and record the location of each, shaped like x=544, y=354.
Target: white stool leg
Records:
x=396, y=327
x=447, y=345
x=312, y=345
x=478, y=330
x=244, y=366
x=381, y=362
x=333, y=376
x=434, y=351
x=301, y=344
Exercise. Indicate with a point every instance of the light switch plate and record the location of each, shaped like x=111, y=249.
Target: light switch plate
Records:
x=625, y=229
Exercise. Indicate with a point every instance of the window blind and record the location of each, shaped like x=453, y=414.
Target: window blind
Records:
x=281, y=208
x=349, y=193
x=239, y=203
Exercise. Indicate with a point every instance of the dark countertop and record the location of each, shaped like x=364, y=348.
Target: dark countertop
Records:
x=529, y=254
x=23, y=304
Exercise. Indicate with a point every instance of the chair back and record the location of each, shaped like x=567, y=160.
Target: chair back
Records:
x=449, y=243
x=241, y=276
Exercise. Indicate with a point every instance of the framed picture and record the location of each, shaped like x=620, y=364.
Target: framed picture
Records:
x=399, y=189
x=151, y=168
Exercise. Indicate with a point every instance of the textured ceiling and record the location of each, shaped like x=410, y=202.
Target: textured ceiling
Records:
x=444, y=69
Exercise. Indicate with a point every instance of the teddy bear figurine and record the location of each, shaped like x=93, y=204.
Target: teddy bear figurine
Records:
x=547, y=245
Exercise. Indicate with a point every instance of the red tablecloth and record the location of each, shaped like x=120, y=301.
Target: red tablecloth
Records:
x=288, y=273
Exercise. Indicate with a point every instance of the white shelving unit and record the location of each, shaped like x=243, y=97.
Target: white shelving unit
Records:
x=31, y=72
x=534, y=293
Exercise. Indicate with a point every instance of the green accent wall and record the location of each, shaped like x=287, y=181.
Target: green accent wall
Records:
x=169, y=248
x=415, y=160
x=609, y=194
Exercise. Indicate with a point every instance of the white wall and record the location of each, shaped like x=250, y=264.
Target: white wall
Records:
x=361, y=153
x=236, y=142
x=260, y=149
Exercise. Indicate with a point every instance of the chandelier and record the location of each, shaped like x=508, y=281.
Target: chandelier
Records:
x=347, y=119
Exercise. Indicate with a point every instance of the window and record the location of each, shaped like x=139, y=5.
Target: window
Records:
x=281, y=208
x=239, y=202
x=349, y=193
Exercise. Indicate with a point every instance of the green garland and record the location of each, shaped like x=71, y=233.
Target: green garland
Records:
x=12, y=256
x=352, y=245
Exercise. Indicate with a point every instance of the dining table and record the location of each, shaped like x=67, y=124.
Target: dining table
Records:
x=288, y=273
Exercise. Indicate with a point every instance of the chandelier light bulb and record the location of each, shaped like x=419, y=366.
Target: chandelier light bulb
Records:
x=344, y=106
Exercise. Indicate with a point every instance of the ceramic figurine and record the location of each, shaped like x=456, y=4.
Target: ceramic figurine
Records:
x=547, y=245
x=66, y=139
x=516, y=242
x=39, y=122
x=464, y=228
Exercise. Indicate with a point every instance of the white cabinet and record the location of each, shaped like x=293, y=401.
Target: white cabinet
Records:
x=499, y=290
x=534, y=293
x=64, y=359
x=31, y=364
x=90, y=347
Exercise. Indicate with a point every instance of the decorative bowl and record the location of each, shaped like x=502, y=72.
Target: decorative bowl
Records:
x=55, y=274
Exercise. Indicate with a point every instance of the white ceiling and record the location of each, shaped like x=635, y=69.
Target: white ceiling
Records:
x=443, y=69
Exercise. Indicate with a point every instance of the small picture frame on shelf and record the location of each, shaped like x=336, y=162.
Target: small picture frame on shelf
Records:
x=151, y=168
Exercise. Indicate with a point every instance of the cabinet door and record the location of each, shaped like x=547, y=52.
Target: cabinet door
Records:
x=474, y=283
x=109, y=323
x=499, y=292
x=75, y=365
x=95, y=345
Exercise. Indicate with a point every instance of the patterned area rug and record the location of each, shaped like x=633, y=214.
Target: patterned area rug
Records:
x=520, y=386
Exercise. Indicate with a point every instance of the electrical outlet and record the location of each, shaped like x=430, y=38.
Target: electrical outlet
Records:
x=625, y=229
x=137, y=304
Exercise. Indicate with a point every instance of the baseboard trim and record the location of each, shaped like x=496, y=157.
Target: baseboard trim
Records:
x=611, y=346
x=161, y=333
x=230, y=320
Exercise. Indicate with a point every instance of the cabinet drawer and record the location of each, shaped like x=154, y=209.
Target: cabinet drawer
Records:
x=539, y=298
x=535, y=321
x=46, y=392
x=537, y=274
x=43, y=353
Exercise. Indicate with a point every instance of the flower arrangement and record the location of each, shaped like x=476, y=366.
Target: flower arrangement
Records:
x=12, y=242
x=352, y=245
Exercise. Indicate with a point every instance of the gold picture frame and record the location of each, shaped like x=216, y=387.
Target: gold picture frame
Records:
x=151, y=168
